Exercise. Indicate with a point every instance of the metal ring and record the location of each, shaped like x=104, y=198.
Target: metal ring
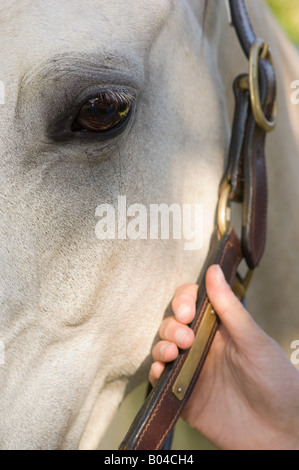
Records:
x=259, y=49
x=222, y=212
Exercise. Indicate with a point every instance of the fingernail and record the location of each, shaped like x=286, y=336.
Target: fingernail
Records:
x=162, y=349
x=182, y=313
x=151, y=377
x=180, y=336
x=219, y=276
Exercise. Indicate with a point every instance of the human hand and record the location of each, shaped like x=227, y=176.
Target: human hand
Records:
x=247, y=396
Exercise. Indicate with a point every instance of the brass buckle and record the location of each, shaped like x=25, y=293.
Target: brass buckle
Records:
x=223, y=210
x=241, y=284
x=259, y=50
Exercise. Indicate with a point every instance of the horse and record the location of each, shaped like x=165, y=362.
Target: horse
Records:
x=79, y=312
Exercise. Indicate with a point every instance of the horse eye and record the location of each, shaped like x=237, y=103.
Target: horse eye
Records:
x=102, y=114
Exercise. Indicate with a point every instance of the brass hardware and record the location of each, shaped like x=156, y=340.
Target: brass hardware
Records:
x=244, y=82
x=197, y=350
x=223, y=211
x=259, y=49
x=195, y=354
x=241, y=284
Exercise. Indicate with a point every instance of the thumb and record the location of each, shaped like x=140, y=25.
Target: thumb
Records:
x=237, y=321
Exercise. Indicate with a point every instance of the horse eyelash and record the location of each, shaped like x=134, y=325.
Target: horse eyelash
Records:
x=116, y=98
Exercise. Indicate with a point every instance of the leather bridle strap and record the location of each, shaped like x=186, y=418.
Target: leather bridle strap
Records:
x=161, y=410
x=244, y=181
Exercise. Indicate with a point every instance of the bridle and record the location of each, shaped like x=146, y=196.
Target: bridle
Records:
x=244, y=182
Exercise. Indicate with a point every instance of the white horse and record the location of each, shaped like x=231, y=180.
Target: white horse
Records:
x=79, y=314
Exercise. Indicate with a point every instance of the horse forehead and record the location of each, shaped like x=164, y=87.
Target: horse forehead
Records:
x=155, y=7
x=33, y=31
x=59, y=20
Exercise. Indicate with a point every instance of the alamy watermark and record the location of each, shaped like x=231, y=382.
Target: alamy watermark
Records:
x=295, y=354
x=157, y=221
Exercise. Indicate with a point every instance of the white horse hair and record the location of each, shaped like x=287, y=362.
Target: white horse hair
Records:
x=79, y=315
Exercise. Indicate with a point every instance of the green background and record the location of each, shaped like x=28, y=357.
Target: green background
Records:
x=287, y=12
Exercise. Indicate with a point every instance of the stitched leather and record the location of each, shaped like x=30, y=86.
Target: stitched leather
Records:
x=162, y=409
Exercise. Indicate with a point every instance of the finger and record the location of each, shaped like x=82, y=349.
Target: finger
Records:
x=173, y=331
x=231, y=312
x=165, y=351
x=183, y=303
x=155, y=372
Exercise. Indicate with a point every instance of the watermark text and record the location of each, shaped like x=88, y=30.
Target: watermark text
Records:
x=295, y=354
x=295, y=94
x=157, y=221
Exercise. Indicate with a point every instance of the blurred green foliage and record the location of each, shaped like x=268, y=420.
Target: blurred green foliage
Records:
x=287, y=12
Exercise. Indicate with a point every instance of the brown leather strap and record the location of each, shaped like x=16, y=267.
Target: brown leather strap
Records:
x=247, y=155
x=162, y=408
x=246, y=179
x=234, y=170
x=255, y=178
x=242, y=25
